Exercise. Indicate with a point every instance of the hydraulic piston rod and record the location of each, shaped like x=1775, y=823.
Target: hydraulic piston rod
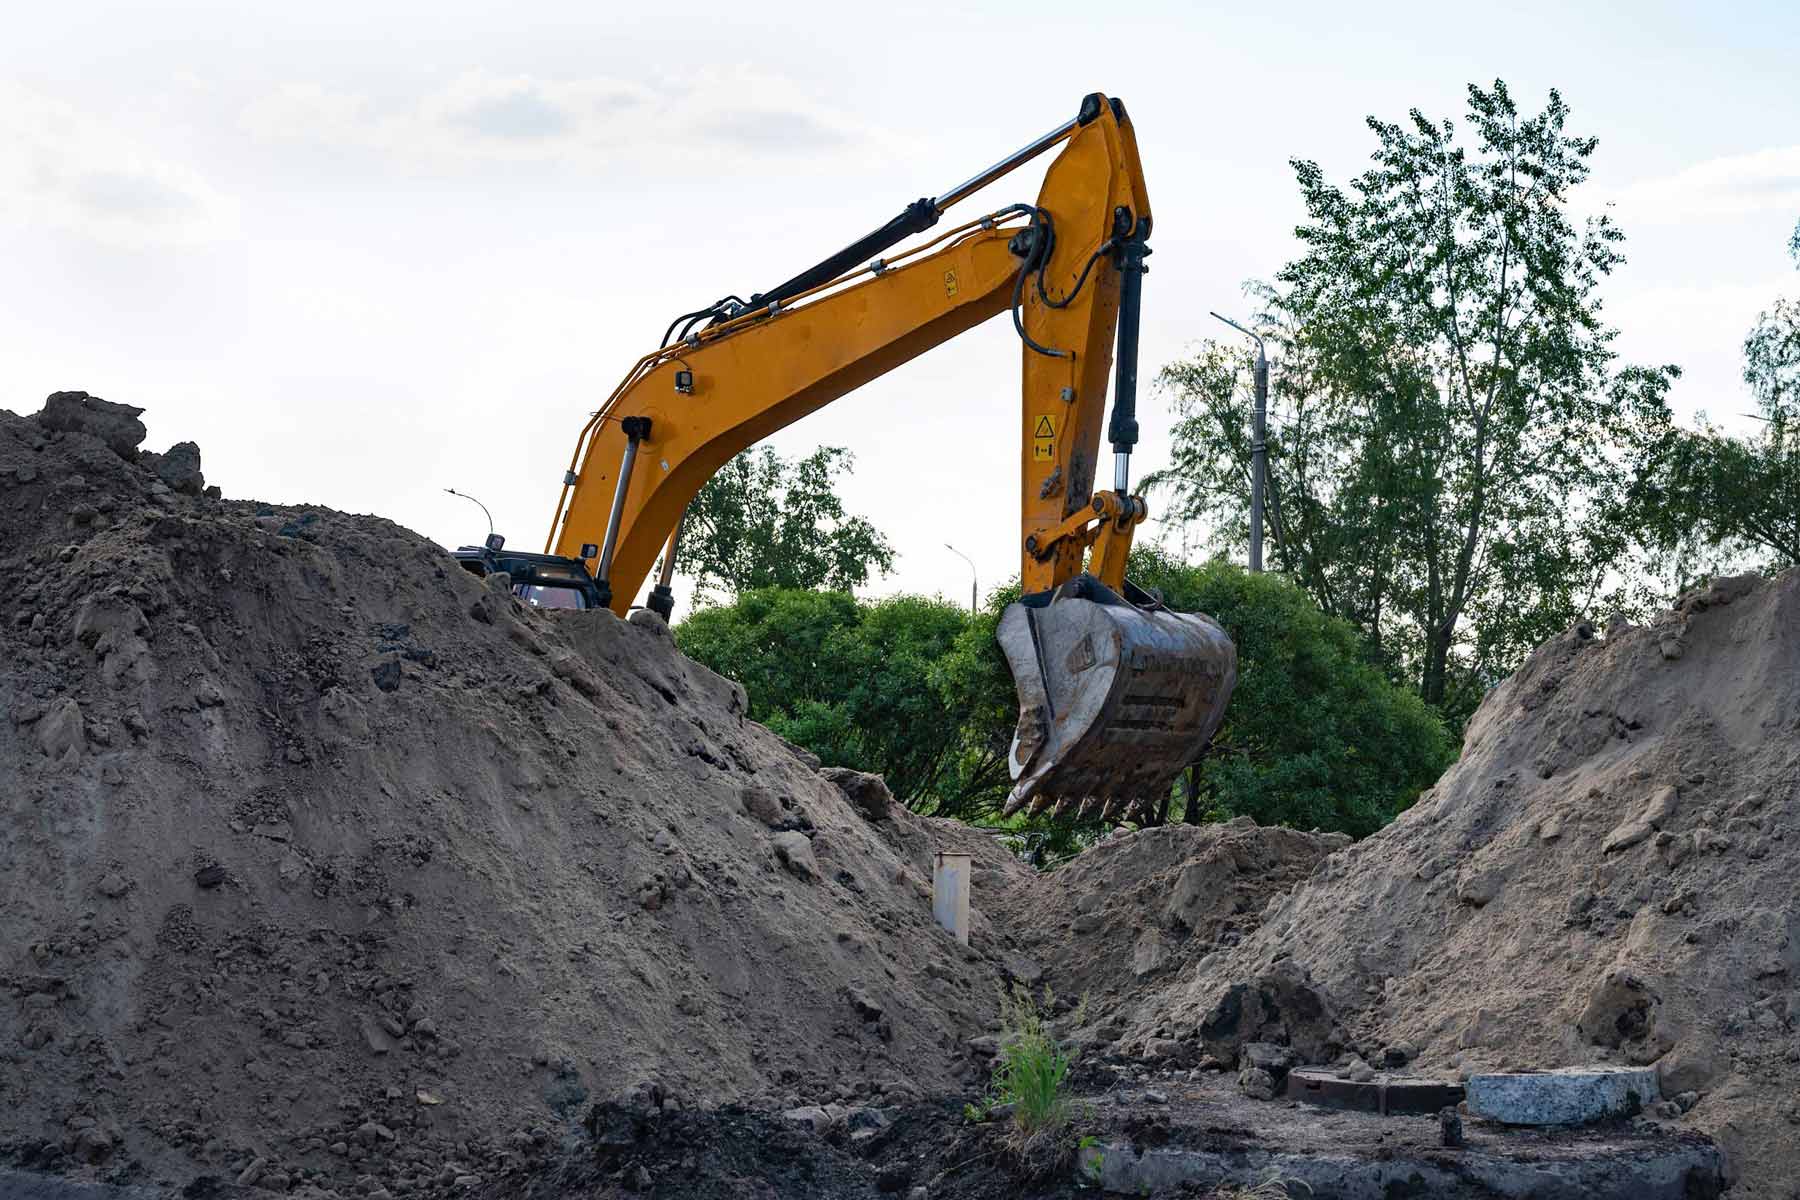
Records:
x=636, y=430
x=1122, y=430
x=1018, y=158
x=921, y=214
x=662, y=596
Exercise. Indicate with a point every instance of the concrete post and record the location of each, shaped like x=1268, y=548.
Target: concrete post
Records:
x=950, y=893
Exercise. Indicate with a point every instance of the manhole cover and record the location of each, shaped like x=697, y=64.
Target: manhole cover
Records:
x=1383, y=1095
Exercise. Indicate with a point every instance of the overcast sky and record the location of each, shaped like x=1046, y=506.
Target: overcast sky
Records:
x=362, y=252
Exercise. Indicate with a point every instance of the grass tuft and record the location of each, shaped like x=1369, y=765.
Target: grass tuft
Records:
x=1031, y=1069
x=1031, y=1066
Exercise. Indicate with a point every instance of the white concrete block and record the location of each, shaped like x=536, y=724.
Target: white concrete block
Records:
x=1567, y=1096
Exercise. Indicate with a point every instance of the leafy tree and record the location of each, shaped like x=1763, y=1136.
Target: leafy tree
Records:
x=764, y=521
x=771, y=640
x=1315, y=735
x=904, y=687
x=1451, y=417
x=972, y=681
x=1707, y=501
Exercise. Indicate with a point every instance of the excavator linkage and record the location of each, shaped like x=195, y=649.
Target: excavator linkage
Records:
x=1116, y=693
x=1115, y=698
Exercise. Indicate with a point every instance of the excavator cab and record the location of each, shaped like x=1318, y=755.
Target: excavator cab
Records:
x=1116, y=693
x=540, y=580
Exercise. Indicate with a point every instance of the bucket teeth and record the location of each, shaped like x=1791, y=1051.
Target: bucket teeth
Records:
x=1084, y=809
x=1114, y=700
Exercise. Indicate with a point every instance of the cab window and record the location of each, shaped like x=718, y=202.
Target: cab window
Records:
x=550, y=597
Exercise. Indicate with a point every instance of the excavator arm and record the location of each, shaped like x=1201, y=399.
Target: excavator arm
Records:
x=1136, y=691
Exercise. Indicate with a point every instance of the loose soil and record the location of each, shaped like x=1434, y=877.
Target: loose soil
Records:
x=1607, y=875
x=322, y=860
x=330, y=869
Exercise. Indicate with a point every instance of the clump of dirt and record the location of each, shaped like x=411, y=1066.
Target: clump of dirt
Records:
x=732, y=1153
x=327, y=865
x=1605, y=875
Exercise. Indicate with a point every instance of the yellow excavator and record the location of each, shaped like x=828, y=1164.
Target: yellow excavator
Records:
x=1116, y=693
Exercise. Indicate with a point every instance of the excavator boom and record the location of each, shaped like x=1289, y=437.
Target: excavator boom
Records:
x=1116, y=692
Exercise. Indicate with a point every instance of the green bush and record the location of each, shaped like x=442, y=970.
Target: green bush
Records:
x=908, y=687
x=917, y=690
x=1316, y=735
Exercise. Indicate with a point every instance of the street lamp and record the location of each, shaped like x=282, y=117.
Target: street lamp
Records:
x=973, y=585
x=1259, y=446
x=478, y=504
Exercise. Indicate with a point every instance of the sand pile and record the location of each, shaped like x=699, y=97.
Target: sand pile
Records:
x=322, y=861
x=327, y=866
x=1120, y=922
x=1607, y=874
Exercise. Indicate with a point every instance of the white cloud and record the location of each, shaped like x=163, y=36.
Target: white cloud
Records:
x=62, y=168
x=1731, y=186
x=1700, y=325
x=480, y=118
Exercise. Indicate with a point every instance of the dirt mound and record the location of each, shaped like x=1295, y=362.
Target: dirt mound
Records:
x=323, y=860
x=330, y=868
x=1121, y=921
x=1606, y=875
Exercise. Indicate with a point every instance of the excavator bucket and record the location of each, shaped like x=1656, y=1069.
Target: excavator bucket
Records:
x=1115, y=698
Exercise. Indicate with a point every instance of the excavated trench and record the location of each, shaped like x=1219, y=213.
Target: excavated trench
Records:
x=1205, y=1132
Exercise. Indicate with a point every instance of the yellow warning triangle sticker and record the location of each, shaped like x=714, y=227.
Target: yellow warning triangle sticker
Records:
x=1044, y=428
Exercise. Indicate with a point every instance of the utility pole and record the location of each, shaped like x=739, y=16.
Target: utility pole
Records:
x=974, y=585
x=1259, y=446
